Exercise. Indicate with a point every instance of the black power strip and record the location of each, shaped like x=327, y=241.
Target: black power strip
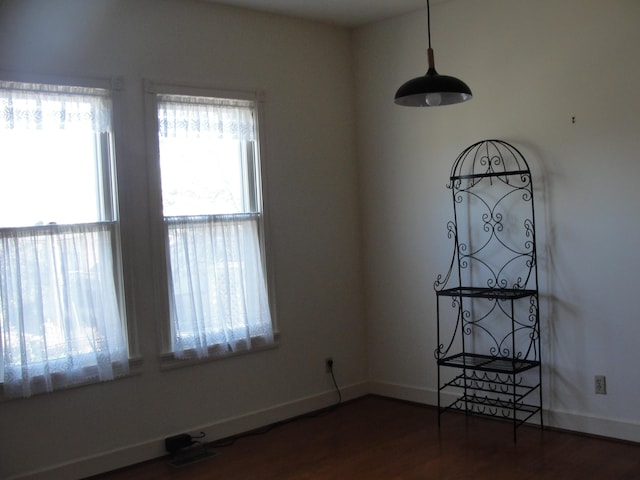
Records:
x=178, y=442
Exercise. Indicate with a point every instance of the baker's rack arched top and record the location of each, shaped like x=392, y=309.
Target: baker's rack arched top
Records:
x=488, y=158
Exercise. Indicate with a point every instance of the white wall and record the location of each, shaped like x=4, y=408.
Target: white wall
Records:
x=532, y=66
x=305, y=72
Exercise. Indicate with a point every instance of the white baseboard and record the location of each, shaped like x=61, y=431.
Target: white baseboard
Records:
x=154, y=448
x=404, y=392
x=570, y=421
x=600, y=426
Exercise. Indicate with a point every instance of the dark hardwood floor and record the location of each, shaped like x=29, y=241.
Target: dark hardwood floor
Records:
x=377, y=438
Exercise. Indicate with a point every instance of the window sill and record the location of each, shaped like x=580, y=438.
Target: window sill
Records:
x=135, y=369
x=169, y=360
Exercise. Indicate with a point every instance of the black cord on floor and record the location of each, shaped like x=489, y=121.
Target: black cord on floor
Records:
x=262, y=431
x=333, y=377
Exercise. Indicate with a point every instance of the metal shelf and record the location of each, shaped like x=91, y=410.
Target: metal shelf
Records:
x=488, y=351
x=494, y=385
x=491, y=407
x=488, y=363
x=485, y=292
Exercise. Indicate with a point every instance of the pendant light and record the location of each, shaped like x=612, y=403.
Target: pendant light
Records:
x=432, y=89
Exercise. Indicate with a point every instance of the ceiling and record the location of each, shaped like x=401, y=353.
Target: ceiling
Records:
x=350, y=13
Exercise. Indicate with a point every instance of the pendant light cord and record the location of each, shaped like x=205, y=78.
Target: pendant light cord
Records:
x=429, y=23
x=430, y=60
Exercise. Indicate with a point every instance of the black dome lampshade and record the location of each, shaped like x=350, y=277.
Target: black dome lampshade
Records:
x=432, y=89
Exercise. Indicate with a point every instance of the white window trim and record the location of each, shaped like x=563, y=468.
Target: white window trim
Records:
x=152, y=88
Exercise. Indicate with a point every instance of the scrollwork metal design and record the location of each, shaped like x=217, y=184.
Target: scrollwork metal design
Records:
x=495, y=337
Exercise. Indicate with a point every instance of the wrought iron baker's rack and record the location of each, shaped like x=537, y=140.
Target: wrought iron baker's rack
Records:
x=488, y=331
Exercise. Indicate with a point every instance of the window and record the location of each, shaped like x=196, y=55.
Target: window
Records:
x=62, y=319
x=210, y=194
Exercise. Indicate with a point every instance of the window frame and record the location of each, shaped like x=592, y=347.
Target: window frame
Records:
x=159, y=247
x=110, y=170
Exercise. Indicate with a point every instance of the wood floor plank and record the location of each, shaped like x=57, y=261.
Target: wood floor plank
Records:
x=378, y=438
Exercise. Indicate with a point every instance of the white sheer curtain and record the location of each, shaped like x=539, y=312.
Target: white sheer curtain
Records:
x=60, y=311
x=196, y=117
x=218, y=290
x=60, y=318
x=31, y=106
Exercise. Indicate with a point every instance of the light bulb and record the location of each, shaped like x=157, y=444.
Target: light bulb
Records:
x=433, y=99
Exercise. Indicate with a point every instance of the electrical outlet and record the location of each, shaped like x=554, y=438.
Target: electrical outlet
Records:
x=328, y=365
x=601, y=384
